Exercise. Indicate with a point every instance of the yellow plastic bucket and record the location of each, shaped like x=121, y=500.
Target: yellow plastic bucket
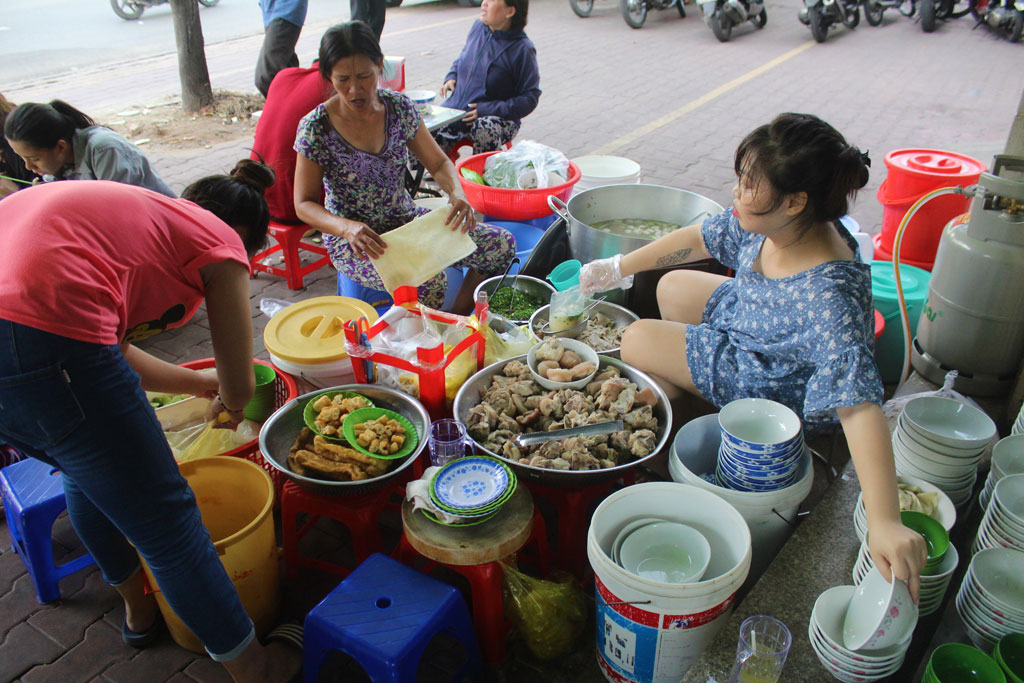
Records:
x=236, y=498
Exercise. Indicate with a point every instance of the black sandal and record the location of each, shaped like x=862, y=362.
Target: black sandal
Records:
x=145, y=638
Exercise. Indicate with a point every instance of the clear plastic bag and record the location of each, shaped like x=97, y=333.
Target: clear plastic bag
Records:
x=549, y=614
x=566, y=308
x=271, y=307
x=202, y=440
x=505, y=339
x=527, y=165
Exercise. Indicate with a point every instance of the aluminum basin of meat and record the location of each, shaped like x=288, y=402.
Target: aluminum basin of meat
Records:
x=631, y=452
x=281, y=429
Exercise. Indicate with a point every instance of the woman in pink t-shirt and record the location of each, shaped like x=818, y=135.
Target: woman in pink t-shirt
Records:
x=91, y=267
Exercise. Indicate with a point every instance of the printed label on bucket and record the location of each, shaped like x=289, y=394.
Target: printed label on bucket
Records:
x=635, y=644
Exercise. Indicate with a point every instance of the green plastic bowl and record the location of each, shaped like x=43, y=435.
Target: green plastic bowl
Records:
x=935, y=535
x=1009, y=654
x=959, y=663
x=365, y=414
x=309, y=413
x=261, y=405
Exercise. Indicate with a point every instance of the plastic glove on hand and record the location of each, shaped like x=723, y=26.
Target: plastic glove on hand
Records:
x=603, y=274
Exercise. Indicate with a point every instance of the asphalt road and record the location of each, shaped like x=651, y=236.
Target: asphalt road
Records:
x=44, y=38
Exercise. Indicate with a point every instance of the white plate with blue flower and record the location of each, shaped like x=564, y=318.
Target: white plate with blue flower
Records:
x=470, y=483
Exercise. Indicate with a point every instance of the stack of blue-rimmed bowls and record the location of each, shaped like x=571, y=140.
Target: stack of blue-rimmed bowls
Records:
x=762, y=445
x=471, y=490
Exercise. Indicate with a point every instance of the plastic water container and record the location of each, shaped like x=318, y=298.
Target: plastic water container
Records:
x=651, y=632
x=889, y=347
x=600, y=170
x=236, y=500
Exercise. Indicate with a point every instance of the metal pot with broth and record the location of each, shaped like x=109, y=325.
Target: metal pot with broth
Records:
x=637, y=227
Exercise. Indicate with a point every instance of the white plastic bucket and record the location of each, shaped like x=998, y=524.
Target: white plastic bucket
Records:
x=319, y=375
x=769, y=515
x=600, y=170
x=663, y=628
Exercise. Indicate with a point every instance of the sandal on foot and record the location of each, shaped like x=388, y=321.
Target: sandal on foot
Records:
x=290, y=633
x=141, y=639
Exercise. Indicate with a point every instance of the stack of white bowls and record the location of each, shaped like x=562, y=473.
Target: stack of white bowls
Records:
x=1007, y=459
x=830, y=634
x=991, y=597
x=762, y=446
x=945, y=513
x=1018, y=424
x=941, y=441
x=933, y=586
x=1003, y=523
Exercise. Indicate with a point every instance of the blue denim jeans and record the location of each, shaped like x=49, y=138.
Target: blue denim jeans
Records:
x=81, y=408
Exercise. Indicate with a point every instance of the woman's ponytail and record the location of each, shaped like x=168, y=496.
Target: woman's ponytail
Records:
x=237, y=199
x=850, y=174
x=43, y=125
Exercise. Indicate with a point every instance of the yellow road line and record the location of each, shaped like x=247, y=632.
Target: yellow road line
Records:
x=700, y=101
x=414, y=29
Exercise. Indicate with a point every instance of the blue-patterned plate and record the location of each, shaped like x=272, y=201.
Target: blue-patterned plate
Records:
x=470, y=483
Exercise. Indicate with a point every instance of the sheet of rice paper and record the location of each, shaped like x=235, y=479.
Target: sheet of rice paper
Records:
x=421, y=249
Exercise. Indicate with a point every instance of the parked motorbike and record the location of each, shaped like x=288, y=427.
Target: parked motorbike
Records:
x=875, y=9
x=133, y=9
x=1005, y=17
x=635, y=11
x=930, y=11
x=722, y=15
x=821, y=14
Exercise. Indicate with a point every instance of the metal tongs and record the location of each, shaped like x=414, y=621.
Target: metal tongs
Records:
x=609, y=427
x=574, y=330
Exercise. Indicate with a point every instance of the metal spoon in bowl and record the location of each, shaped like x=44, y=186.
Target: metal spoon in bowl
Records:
x=511, y=263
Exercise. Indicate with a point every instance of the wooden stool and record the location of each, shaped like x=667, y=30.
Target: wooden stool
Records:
x=573, y=508
x=474, y=552
x=289, y=242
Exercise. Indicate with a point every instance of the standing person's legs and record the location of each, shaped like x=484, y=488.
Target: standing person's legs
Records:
x=369, y=11
x=278, y=52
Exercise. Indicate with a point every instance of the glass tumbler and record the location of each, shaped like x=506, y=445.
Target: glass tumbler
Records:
x=762, y=649
x=447, y=441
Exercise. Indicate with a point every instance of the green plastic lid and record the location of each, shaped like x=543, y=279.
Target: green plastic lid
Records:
x=883, y=282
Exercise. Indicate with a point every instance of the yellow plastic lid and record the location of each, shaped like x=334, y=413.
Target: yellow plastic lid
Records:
x=312, y=331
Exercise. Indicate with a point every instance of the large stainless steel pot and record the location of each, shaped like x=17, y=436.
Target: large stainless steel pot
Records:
x=469, y=396
x=651, y=202
x=282, y=428
x=622, y=316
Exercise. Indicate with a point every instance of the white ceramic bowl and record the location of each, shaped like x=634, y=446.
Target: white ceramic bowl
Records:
x=951, y=461
x=950, y=469
x=758, y=425
x=945, y=513
x=421, y=98
x=827, y=616
x=1009, y=495
x=844, y=659
x=626, y=531
x=582, y=350
x=909, y=432
x=668, y=552
x=881, y=614
x=1008, y=456
x=998, y=574
x=950, y=422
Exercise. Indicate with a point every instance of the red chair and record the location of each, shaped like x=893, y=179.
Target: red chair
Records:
x=289, y=242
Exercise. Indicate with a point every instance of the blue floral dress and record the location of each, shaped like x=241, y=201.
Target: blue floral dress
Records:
x=370, y=188
x=805, y=340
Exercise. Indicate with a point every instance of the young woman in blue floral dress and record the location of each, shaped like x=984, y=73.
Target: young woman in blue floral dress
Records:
x=795, y=323
x=354, y=149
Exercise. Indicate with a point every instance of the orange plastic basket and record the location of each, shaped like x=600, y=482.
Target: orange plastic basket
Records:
x=285, y=390
x=509, y=204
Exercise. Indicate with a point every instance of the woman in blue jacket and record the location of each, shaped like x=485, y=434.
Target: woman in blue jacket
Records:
x=495, y=79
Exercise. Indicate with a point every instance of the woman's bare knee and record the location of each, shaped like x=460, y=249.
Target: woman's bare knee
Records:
x=683, y=294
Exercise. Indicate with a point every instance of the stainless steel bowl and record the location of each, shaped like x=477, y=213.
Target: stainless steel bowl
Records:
x=282, y=428
x=622, y=316
x=469, y=396
x=524, y=283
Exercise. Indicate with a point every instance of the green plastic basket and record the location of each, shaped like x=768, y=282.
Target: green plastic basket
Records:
x=365, y=414
x=309, y=413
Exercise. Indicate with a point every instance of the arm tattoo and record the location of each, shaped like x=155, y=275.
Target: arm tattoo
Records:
x=675, y=258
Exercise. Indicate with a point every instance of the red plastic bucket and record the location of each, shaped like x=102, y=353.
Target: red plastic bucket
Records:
x=921, y=238
x=879, y=324
x=914, y=172
x=883, y=254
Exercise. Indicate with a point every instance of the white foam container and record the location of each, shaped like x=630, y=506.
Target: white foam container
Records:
x=657, y=636
x=770, y=515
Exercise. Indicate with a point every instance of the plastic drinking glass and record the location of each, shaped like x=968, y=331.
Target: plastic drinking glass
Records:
x=447, y=441
x=762, y=649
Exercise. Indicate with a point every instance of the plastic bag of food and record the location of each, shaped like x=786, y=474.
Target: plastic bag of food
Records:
x=202, y=440
x=566, y=308
x=549, y=614
x=527, y=165
x=505, y=339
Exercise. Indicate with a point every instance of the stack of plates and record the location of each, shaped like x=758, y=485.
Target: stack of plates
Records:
x=991, y=597
x=933, y=586
x=1007, y=459
x=1003, y=523
x=1018, y=424
x=945, y=514
x=762, y=446
x=825, y=632
x=941, y=441
x=471, y=489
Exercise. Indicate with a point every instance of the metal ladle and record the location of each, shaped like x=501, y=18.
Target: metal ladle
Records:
x=511, y=263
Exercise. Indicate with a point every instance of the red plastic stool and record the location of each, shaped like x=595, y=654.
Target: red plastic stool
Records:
x=361, y=514
x=289, y=241
x=574, y=508
x=474, y=553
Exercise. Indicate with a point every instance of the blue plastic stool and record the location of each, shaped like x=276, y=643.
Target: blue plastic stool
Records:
x=542, y=223
x=378, y=298
x=527, y=235
x=33, y=495
x=383, y=616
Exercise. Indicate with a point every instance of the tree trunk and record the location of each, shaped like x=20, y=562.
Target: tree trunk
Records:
x=196, y=92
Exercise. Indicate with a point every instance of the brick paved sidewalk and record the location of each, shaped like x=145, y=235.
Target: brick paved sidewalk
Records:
x=669, y=96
